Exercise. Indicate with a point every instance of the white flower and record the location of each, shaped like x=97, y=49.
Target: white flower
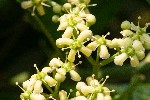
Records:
x=100, y=96
x=87, y=89
x=63, y=95
x=126, y=32
x=50, y=81
x=38, y=87
x=55, y=62
x=35, y=96
x=74, y=75
x=59, y=77
x=134, y=61
x=120, y=59
x=104, y=54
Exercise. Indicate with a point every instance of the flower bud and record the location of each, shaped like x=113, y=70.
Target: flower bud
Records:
x=26, y=4
x=80, y=85
x=74, y=75
x=57, y=8
x=86, y=51
x=120, y=59
x=55, y=18
x=38, y=87
x=63, y=95
x=93, y=45
x=90, y=19
x=100, y=96
x=67, y=6
x=84, y=35
x=104, y=54
x=125, y=25
x=55, y=62
x=140, y=54
x=50, y=81
x=62, y=26
x=126, y=32
x=59, y=77
x=82, y=27
x=137, y=45
x=47, y=70
x=61, y=71
x=68, y=32
x=71, y=55
x=134, y=61
x=80, y=98
x=34, y=96
x=62, y=42
x=40, y=10
x=107, y=97
x=87, y=89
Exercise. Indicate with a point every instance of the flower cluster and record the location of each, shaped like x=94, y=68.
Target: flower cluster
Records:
x=133, y=44
x=33, y=89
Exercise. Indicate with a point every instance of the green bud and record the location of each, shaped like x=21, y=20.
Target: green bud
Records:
x=125, y=25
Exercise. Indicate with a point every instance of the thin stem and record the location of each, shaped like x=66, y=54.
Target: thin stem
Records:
x=91, y=60
x=56, y=90
x=107, y=61
x=47, y=86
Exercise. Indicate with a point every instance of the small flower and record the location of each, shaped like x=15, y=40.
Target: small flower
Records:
x=55, y=62
x=50, y=81
x=87, y=89
x=74, y=75
x=60, y=77
x=126, y=25
x=38, y=87
x=126, y=33
x=120, y=59
x=35, y=96
x=104, y=54
x=134, y=61
x=63, y=95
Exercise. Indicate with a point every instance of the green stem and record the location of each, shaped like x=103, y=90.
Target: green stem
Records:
x=107, y=61
x=55, y=94
x=47, y=86
x=91, y=60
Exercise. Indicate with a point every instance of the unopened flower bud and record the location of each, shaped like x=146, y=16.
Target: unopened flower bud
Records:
x=134, y=61
x=74, y=75
x=55, y=18
x=137, y=45
x=61, y=71
x=87, y=89
x=62, y=42
x=57, y=8
x=68, y=32
x=80, y=98
x=50, y=81
x=126, y=32
x=34, y=96
x=86, y=51
x=120, y=59
x=100, y=96
x=90, y=19
x=140, y=54
x=107, y=97
x=47, y=70
x=63, y=95
x=93, y=45
x=71, y=55
x=104, y=54
x=55, y=62
x=38, y=87
x=80, y=85
x=40, y=10
x=125, y=25
x=84, y=35
x=67, y=6
x=62, y=26
x=82, y=27
x=26, y=4
x=59, y=77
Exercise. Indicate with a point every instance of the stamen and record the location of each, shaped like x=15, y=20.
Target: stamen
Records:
x=32, y=14
x=107, y=34
x=44, y=4
x=20, y=87
x=92, y=5
x=105, y=80
x=79, y=56
x=36, y=68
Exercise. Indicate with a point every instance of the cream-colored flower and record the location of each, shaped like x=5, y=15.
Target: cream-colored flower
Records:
x=120, y=59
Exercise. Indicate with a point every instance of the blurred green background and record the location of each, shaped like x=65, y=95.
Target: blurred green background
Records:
x=23, y=44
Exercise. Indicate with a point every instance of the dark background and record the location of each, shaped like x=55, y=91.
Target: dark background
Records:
x=23, y=44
